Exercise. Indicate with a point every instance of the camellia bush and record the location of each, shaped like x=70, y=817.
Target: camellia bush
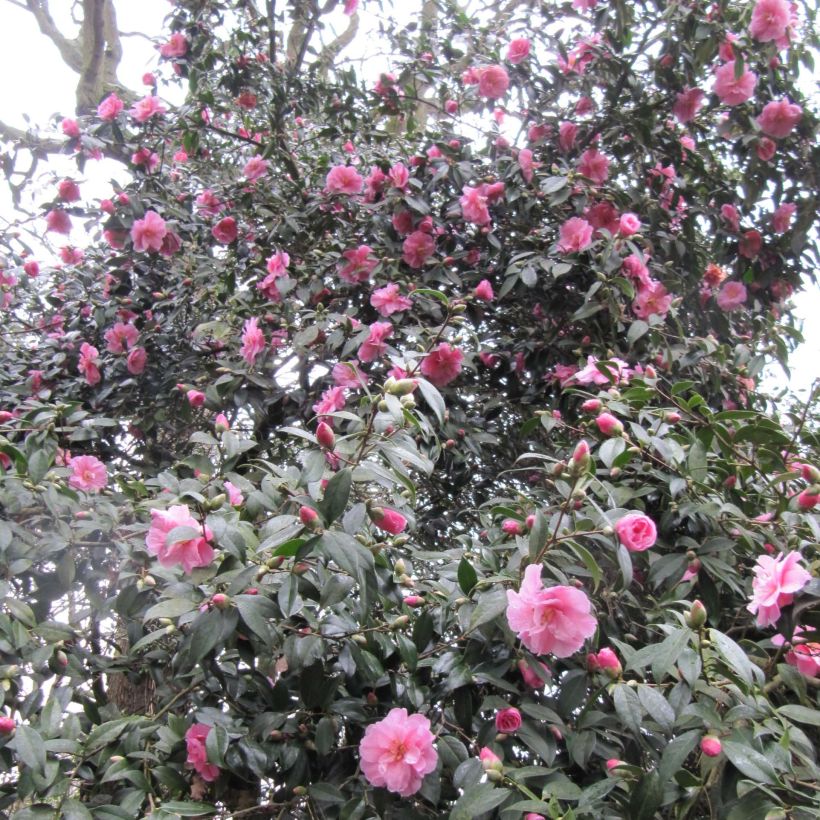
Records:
x=398, y=444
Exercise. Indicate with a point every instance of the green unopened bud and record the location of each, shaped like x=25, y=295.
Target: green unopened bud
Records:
x=399, y=622
x=383, y=406
x=299, y=791
x=400, y=567
x=402, y=387
x=494, y=775
x=359, y=639
x=697, y=615
x=408, y=402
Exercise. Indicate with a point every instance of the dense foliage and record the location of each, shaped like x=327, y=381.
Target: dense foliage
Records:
x=398, y=449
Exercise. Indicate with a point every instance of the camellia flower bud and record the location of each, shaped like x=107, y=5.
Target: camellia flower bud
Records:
x=220, y=600
x=672, y=418
x=711, y=746
x=609, y=425
x=809, y=498
x=325, y=435
x=221, y=423
x=512, y=527
x=308, y=516
x=696, y=617
x=490, y=761
x=579, y=463
x=613, y=763
x=591, y=405
x=7, y=725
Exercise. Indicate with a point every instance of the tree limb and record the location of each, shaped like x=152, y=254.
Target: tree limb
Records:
x=70, y=50
x=89, y=86
x=331, y=51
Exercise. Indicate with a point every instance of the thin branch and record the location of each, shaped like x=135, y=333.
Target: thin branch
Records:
x=330, y=52
x=69, y=49
x=271, y=12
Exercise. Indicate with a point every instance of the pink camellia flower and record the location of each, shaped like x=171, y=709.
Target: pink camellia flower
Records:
x=782, y=218
x=553, y=620
x=225, y=231
x=808, y=499
x=253, y=341
x=778, y=118
x=605, y=661
x=508, y=720
x=734, y=90
x=121, y=337
x=770, y=19
x=518, y=50
x=750, y=244
x=442, y=364
x=474, y=205
x=374, y=347
x=360, y=264
x=730, y=216
x=711, y=746
x=209, y=203
x=732, y=296
x=636, y=531
x=584, y=5
x=195, y=739
x=177, y=46
x=255, y=168
x=108, y=109
x=7, y=724
x=765, y=149
x=493, y=82
x=489, y=759
x=575, y=235
x=775, y=582
x=348, y=374
x=594, y=165
x=88, y=473
x=332, y=399
x=687, y=104
x=235, y=497
x=417, y=249
x=591, y=374
x=388, y=300
x=629, y=224
x=399, y=176
x=68, y=190
x=58, y=221
x=526, y=164
x=484, y=291
x=397, y=752
x=805, y=657
x=530, y=676
x=609, y=425
x=350, y=7
x=70, y=128
x=567, y=131
x=147, y=107
x=343, y=179
x=652, y=300
x=32, y=268
x=191, y=552
x=135, y=363
x=148, y=233
x=388, y=520
x=603, y=215
x=171, y=244
x=88, y=364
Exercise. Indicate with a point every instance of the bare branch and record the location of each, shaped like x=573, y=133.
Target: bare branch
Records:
x=330, y=52
x=93, y=38
x=69, y=50
x=40, y=146
x=271, y=12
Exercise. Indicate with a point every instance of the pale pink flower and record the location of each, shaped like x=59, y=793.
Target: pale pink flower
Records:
x=397, y=752
x=374, y=347
x=531, y=677
x=255, y=168
x=653, y=299
x=732, y=296
x=177, y=46
x=765, y=149
x=332, y=400
x=629, y=224
x=636, y=531
x=473, y=203
x=225, y=231
x=782, y=218
x=253, y=341
x=687, y=104
x=343, y=179
x=348, y=374
x=399, y=175
x=388, y=300
x=235, y=497
x=553, y=620
x=58, y=221
x=146, y=108
x=805, y=657
x=484, y=291
x=135, y=363
x=518, y=50
x=778, y=118
x=489, y=759
x=609, y=425
x=731, y=216
x=195, y=739
x=209, y=203
x=192, y=552
x=88, y=473
x=604, y=215
x=417, y=249
x=770, y=19
x=567, y=131
x=121, y=337
x=493, y=82
x=775, y=582
x=196, y=398
x=88, y=364
x=109, y=108
x=508, y=720
x=594, y=165
x=442, y=364
x=360, y=264
x=592, y=375
x=604, y=661
x=734, y=90
x=525, y=163
x=147, y=233
x=575, y=235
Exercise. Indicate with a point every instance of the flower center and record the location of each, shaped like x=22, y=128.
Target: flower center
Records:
x=397, y=752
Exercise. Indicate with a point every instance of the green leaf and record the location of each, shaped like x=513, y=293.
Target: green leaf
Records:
x=38, y=465
x=696, y=461
x=336, y=495
x=668, y=652
x=539, y=534
x=750, y=762
x=478, y=799
x=734, y=656
x=346, y=552
x=467, y=577
x=433, y=398
x=169, y=608
x=646, y=797
x=29, y=747
x=801, y=714
x=256, y=611
x=490, y=605
x=186, y=809
x=147, y=640
x=676, y=752
x=589, y=561
x=326, y=793
x=657, y=707
x=628, y=708
x=216, y=744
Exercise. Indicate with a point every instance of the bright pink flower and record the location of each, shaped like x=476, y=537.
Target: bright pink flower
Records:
x=135, y=363
x=209, y=203
x=732, y=296
x=770, y=19
x=512, y=527
x=628, y=224
x=388, y=300
x=553, y=620
x=606, y=661
x=538, y=132
x=592, y=375
x=177, y=46
x=350, y=7
x=343, y=179
x=775, y=582
x=687, y=104
x=32, y=268
x=808, y=499
x=711, y=746
x=255, y=168
x=734, y=90
x=604, y=215
x=195, y=739
x=360, y=264
x=196, y=398
x=397, y=752
x=253, y=341
x=765, y=149
x=489, y=759
x=805, y=657
x=575, y=235
x=518, y=50
x=525, y=163
x=58, y=221
x=225, y=231
x=388, y=520
x=474, y=205
x=68, y=190
x=636, y=531
x=235, y=497
x=194, y=551
x=442, y=364
x=567, y=131
x=652, y=300
x=148, y=233
x=399, y=176
x=530, y=676
x=146, y=108
x=332, y=400
x=348, y=374
x=778, y=118
x=484, y=291
x=109, y=108
x=88, y=473
x=750, y=244
x=584, y=5
x=609, y=425
x=594, y=165
x=731, y=216
x=374, y=347
x=88, y=364
x=73, y=256
x=70, y=128
x=508, y=720
x=417, y=249
x=493, y=82
x=121, y=337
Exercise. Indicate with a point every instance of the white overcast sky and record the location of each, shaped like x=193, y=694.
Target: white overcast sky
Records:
x=37, y=83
